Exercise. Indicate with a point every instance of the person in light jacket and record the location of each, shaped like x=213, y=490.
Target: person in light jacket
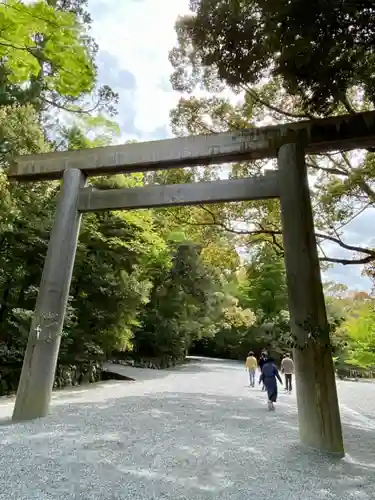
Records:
x=287, y=368
x=268, y=376
x=251, y=366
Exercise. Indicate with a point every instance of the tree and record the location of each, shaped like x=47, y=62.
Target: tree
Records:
x=87, y=131
x=116, y=251
x=265, y=289
x=47, y=57
x=335, y=290
x=320, y=51
x=257, y=296
x=140, y=279
x=115, y=255
x=184, y=305
x=25, y=218
x=352, y=321
x=369, y=271
x=180, y=294
x=189, y=223
x=359, y=333
x=217, y=47
x=342, y=189
x=20, y=133
x=72, y=71
x=111, y=281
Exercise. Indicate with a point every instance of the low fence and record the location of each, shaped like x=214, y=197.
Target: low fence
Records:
x=355, y=374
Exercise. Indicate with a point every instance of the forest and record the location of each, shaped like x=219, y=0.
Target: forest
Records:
x=155, y=285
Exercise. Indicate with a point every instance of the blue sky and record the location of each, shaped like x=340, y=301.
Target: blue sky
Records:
x=134, y=38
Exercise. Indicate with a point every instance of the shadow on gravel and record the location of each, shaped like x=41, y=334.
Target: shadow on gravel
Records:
x=4, y=422
x=177, y=446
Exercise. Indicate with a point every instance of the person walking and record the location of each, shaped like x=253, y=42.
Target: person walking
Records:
x=251, y=365
x=287, y=368
x=268, y=376
x=262, y=360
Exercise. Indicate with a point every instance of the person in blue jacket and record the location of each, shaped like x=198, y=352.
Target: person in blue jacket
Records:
x=262, y=360
x=268, y=376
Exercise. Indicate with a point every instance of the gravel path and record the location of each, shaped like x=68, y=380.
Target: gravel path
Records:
x=196, y=432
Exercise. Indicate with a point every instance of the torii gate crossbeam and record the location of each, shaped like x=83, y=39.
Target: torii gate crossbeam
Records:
x=317, y=136
x=318, y=411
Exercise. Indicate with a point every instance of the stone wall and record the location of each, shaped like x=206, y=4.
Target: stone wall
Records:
x=66, y=376
x=73, y=375
x=152, y=363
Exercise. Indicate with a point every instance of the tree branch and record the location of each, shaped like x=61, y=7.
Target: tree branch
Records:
x=274, y=240
x=261, y=101
x=370, y=254
x=63, y=108
x=354, y=216
x=333, y=171
x=346, y=246
x=347, y=262
x=344, y=99
x=206, y=128
x=361, y=183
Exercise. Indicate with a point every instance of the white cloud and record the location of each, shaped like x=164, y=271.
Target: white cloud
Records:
x=140, y=34
x=135, y=37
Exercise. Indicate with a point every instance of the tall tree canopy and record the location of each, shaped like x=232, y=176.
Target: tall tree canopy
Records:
x=342, y=185
x=47, y=56
x=266, y=51
x=319, y=49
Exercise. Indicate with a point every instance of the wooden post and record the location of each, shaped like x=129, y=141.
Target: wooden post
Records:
x=39, y=365
x=318, y=410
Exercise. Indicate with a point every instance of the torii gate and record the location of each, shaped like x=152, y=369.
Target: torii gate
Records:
x=318, y=410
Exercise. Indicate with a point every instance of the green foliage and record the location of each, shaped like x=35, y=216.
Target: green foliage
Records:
x=36, y=34
x=47, y=59
x=265, y=289
x=260, y=292
x=111, y=282
x=355, y=335
x=341, y=184
x=134, y=284
x=353, y=332
x=20, y=133
x=181, y=307
x=320, y=50
x=360, y=335
x=88, y=132
x=152, y=283
x=25, y=228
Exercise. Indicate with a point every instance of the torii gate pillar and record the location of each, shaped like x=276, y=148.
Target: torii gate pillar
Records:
x=318, y=409
x=39, y=365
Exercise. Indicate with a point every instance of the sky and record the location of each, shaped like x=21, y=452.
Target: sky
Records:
x=134, y=38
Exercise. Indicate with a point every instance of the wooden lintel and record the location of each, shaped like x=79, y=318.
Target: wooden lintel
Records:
x=254, y=188
x=339, y=132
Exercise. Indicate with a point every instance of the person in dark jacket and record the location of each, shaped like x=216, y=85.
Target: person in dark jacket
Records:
x=262, y=360
x=268, y=376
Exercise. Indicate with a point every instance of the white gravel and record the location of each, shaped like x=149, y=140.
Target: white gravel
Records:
x=197, y=432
